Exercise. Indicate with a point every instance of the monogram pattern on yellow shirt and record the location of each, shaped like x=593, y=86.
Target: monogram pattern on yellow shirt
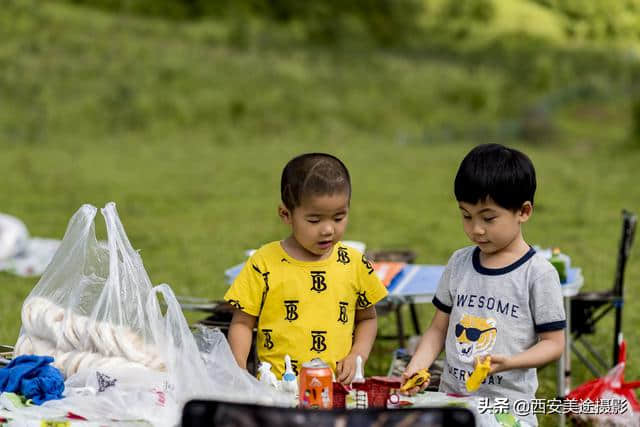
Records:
x=305, y=310
x=318, y=281
x=367, y=264
x=318, y=339
x=343, y=255
x=291, y=309
x=342, y=316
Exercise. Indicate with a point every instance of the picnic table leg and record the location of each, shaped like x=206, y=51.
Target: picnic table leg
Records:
x=414, y=318
x=400, y=326
x=560, y=386
x=563, y=379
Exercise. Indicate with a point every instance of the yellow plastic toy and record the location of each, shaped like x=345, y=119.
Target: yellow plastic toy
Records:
x=416, y=380
x=479, y=374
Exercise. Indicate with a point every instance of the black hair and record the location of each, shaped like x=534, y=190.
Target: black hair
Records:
x=313, y=174
x=504, y=174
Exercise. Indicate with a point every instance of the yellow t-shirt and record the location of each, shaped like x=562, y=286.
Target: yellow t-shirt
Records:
x=305, y=309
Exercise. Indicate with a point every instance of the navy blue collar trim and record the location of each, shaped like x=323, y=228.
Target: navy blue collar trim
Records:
x=503, y=270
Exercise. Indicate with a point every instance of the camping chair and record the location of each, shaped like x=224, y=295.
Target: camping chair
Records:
x=587, y=308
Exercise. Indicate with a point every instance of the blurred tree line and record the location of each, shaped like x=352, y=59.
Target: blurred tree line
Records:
x=390, y=22
x=541, y=74
x=598, y=19
x=385, y=21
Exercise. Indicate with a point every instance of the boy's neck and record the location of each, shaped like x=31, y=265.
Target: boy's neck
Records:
x=505, y=256
x=296, y=251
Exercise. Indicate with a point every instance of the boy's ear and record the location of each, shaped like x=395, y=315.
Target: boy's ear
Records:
x=525, y=211
x=284, y=214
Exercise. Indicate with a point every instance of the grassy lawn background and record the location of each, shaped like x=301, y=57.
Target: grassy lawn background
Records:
x=188, y=135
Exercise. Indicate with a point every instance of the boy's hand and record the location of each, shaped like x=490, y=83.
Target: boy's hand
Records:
x=499, y=363
x=346, y=369
x=408, y=373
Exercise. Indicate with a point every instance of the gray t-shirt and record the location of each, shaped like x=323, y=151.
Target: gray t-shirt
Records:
x=496, y=311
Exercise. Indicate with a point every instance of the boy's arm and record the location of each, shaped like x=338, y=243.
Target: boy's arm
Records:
x=365, y=330
x=432, y=341
x=241, y=335
x=549, y=347
x=548, y=310
x=430, y=345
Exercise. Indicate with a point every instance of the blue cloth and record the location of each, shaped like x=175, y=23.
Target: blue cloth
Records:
x=32, y=377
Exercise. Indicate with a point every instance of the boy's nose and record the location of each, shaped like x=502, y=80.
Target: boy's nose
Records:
x=477, y=229
x=327, y=230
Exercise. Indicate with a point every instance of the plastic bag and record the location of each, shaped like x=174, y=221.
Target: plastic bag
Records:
x=96, y=312
x=87, y=310
x=611, y=388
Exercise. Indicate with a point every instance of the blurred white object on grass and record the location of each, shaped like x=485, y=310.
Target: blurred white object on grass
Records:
x=13, y=236
x=20, y=254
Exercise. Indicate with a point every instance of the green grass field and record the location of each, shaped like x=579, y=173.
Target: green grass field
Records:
x=188, y=133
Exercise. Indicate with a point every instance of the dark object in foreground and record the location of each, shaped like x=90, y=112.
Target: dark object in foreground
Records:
x=214, y=413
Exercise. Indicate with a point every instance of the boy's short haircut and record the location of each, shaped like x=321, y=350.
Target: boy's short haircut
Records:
x=505, y=175
x=313, y=174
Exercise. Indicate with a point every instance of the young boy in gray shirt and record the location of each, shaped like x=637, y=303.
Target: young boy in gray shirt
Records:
x=498, y=298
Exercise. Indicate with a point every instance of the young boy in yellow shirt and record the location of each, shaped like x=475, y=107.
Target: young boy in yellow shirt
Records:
x=310, y=295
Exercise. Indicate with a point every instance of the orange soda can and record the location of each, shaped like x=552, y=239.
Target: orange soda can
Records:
x=316, y=385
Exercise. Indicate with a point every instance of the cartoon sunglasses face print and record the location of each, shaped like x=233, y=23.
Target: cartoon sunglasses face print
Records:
x=473, y=334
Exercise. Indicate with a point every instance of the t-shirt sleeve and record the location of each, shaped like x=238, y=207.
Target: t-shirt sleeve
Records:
x=547, y=305
x=443, y=300
x=371, y=290
x=248, y=288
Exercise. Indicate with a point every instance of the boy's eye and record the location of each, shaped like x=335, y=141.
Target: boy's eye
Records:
x=338, y=219
x=490, y=219
x=313, y=221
